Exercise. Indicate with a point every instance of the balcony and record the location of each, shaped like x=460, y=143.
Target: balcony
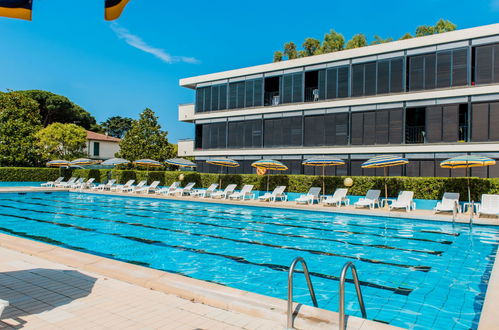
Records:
x=185, y=147
x=186, y=112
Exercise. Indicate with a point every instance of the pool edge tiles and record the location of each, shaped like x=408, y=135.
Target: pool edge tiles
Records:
x=488, y=316
x=212, y=294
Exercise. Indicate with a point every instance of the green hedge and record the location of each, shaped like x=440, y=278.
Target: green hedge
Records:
x=424, y=188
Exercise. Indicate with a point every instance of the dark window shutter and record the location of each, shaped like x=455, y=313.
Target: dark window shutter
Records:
x=287, y=88
x=343, y=81
x=382, y=126
x=483, y=65
x=357, y=80
x=443, y=69
x=357, y=128
x=356, y=167
x=341, y=128
x=370, y=78
x=459, y=67
x=207, y=99
x=234, y=139
x=240, y=94
x=429, y=71
x=248, y=93
x=395, y=127
x=428, y=168
x=330, y=129
x=450, y=123
x=480, y=122
x=332, y=76
x=369, y=127
x=314, y=130
x=383, y=77
x=322, y=84
x=258, y=93
x=232, y=95
x=496, y=64
x=396, y=75
x=257, y=133
x=412, y=168
x=223, y=97
x=494, y=122
x=297, y=87
x=199, y=99
x=440, y=171
x=214, y=98
x=433, y=124
x=416, y=73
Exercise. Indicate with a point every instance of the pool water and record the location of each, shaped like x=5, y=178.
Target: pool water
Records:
x=414, y=274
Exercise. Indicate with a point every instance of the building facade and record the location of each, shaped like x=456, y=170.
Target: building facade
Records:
x=101, y=146
x=426, y=98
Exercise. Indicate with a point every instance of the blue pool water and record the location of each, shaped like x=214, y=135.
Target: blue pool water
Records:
x=414, y=274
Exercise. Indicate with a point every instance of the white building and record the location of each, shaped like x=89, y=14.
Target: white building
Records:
x=101, y=146
x=426, y=98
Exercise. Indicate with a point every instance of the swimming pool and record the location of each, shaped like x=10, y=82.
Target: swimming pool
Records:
x=414, y=274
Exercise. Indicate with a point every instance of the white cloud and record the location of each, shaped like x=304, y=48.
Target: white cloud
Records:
x=137, y=42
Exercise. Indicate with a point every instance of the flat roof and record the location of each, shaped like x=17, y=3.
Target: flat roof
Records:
x=394, y=46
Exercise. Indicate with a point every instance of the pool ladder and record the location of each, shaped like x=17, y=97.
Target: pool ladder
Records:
x=343, y=275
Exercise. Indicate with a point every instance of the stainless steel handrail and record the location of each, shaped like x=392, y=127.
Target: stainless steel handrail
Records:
x=290, y=288
x=342, y=293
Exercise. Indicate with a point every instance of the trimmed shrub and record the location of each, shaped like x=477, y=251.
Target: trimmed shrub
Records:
x=28, y=174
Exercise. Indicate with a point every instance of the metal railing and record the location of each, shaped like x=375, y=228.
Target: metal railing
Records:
x=414, y=134
x=311, y=94
x=271, y=98
x=342, y=293
x=289, y=324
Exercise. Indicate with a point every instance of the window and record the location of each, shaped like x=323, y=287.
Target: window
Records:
x=314, y=131
x=211, y=98
x=377, y=127
x=236, y=95
x=245, y=134
x=96, y=148
x=272, y=88
x=336, y=129
x=487, y=64
x=282, y=132
x=213, y=136
x=484, y=121
x=292, y=88
x=415, y=120
x=444, y=69
x=253, y=93
x=315, y=85
x=337, y=82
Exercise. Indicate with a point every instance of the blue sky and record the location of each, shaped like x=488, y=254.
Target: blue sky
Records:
x=120, y=68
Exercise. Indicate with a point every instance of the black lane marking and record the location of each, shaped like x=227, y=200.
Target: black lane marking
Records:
x=275, y=224
x=438, y=253
x=415, y=268
x=398, y=290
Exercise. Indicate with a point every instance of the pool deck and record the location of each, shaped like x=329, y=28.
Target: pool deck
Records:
x=225, y=299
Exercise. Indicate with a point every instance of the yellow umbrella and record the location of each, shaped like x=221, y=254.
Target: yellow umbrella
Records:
x=269, y=164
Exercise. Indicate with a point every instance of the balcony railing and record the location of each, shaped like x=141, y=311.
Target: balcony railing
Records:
x=311, y=94
x=414, y=134
x=271, y=98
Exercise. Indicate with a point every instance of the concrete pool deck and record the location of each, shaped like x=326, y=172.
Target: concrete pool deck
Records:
x=229, y=299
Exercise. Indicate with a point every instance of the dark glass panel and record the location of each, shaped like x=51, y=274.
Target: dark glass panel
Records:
x=291, y=131
x=459, y=67
x=494, y=121
x=258, y=93
x=287, y=88
x=494, y=170
x=382, y=126
x=322, y=84
x=450, y=123
x=370, y=78
x=416, y=73
x=205, y=136
x=479, y=122
x=433, y=124
x=199, y=99
x=214, y=98
x=223, y=97
x=428, y=168
x=444, y=69
x=483, y=66
x=314, y=130
x=429, y=71
x=198, y=137
x=357, y=128
x=383, y=77
x=240, y=94
x=369, y=127
x=356, y=167
x=332, y=76
x=412, y=169
x=232, y=95
x=341, y=128
x=235, y=138
x=396, y=75
x=357, y=80
x=207, y=99
x=297, y=87
x=343, y=81
x=496, y=64
x=440, y=171
x=248, y=93
x=395, y=126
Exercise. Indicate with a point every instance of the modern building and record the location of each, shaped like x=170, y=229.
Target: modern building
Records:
x=101, y=146
x=426, y=98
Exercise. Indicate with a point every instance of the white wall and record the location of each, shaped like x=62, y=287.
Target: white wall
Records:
x=107, y=149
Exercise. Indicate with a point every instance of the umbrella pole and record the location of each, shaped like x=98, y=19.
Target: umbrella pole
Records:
x=220, y=186
x=386, y=187
x=268, y=178
x=323, y=182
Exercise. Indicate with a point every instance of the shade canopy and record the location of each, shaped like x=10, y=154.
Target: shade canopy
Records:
x=323, y=161
x=270, y=164
x=466, y=161
x=180, y=162
x=147, y=163
x=226, y=162
x=82, y=161
x=384, y=161
x=115, y=161
x=58, y=163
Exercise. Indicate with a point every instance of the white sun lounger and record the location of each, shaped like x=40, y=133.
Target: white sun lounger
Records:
x=147, y=189
x=371, y=199
x=274, y=195
x=404, y=201
x=68, y=183
x=185, y=190
x=52, y=183
x=168, y=190
x=339, y=196
x=245, y=192
x=449, y=203
x=77, y=183
x=489, y=205
x=229, y=190
x=105, y=186
x=3, y=305
x=121, y=187
x=131, y=188
x=310, y=197
x=205, y=192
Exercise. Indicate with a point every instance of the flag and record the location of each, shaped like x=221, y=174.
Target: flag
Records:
x=16, y=9
x=113, y=9
x=261, y=171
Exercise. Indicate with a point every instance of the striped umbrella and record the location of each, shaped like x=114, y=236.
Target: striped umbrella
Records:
x=82, y=162
x=180, y=162
x=467, y=161
x=269, y=165
x=385, y=161
x=58, y=163
x=115, y=161
x=222, y=162
x=147, y=163
x=323, y=161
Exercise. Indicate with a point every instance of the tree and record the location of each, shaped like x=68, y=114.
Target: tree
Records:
x=378, y=40
x=19, y=122
x=117, y=126
x=444, y=26
x=358, y=40
x=146, y=140
x=333, y=42
x=278, y=56
x=424, y=30
x=57, y=108
x=406, y=36
x=290, y=50
x=311, y=46
x=62, y=141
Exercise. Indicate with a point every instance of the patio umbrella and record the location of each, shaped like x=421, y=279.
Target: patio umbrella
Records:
x=58, y=163
x=115, y=162
x=147, y=163
x=82, y=162
x=222, y=162
x=323, y=161
x=180, y=162
x=467, y=161
x=268, y=165
x=385, y=161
